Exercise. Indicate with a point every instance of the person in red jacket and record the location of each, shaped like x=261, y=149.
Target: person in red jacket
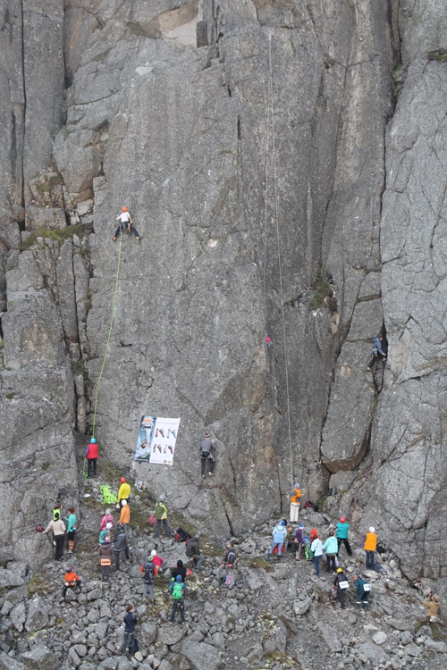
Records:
x=91, y=455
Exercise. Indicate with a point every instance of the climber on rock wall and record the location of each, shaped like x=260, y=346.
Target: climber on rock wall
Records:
x=205, y=454
x=377, y=351
x=125, y=224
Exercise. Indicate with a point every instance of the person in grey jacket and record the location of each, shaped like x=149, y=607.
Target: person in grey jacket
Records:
x=192, y=550
x=205, y=454
x=120, y=545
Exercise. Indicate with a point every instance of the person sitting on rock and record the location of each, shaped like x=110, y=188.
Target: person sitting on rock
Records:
x=125, y=224
x=279, y=537
x=377, y=351
x=205, y=454
x=178, y=591
x=370, y=547
x=70, y=581
x=192, y=549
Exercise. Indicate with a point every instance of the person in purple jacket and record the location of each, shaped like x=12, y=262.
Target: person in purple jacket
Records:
x=299, y=541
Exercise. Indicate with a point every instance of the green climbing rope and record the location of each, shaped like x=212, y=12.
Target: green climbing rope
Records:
x=108, y=498
x=95, y=406
x=84, y=469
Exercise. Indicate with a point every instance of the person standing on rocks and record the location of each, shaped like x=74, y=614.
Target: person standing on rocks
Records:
x=299, y=541
x=363, y=591
x=317, y=550
x=123, y=493
x=105, y=535
x=192, y=549
x=125, y=518
x=147, y=570
x=228, y=564
x=205, y=454
x=91, y=454
x=71, y=528
x=279, y=537
x=342, y=585
x=70, y=581
x=105, y=558
x=331, y=549
x=295, y=498
x=126, y=223
x=370, y=547
x=178, y=591
x=377, y=351
x=161, y=514
x=120, y=545
x=130, y=622
x=107, y=518
x=58, y=528
x=343, y=534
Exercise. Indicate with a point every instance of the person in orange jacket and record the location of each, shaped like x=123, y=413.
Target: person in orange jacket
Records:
x=370, y=547
x=70, y=581
x=295, y=498
x=125, y=518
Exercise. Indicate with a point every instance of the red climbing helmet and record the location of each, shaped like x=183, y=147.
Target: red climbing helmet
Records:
x=342, y=519
x=124, y=209
x=123, y=480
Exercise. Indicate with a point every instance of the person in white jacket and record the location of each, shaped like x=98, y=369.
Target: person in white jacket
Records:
x=317, y=550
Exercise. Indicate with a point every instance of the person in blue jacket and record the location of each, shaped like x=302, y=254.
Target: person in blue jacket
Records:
x=331, y=549
x=279, y=537
x=342, y=535
x=377, y=351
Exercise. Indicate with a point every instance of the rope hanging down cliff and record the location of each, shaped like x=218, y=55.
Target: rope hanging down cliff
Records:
x=271, y=124
x=106, y=353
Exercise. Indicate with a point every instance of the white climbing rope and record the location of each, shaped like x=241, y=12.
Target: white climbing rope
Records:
x=271, y=127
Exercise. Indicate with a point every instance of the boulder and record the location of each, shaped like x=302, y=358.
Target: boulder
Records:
x=8, y=663
x=372, y=652
x=202, y=656
x=170, y=635
x=40, y=657
x=18, y=616
x=37, y=615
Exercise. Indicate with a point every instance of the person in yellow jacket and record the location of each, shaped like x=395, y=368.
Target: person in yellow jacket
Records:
x=370, y=547
x=123, y=493
x=125, y=518
x=432, y=606
x=295, y=498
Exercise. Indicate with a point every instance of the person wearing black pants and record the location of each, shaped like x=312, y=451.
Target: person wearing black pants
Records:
x=125, y=223
x=341, y=582
x=130, y=621
x=58, y=528
x=120, y=545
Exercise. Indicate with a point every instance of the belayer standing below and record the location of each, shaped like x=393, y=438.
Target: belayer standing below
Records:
x=205, y=454
x=125, y=224
x=91, y=454
x=58, y=528
x=295, y=497
x=123, y=493
x=377, y=351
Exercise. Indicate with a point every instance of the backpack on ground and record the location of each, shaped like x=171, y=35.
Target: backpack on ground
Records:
x=181, y=535
x=177, y=591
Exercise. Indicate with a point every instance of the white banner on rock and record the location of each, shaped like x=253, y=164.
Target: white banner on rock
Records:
x=156, y=440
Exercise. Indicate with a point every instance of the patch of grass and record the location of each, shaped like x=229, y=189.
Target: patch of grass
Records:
x=38, y=584
x=57, y=234
x=45, y=466
x=10, y=396
x=258, y=563
x=440, y=55
x=77, y=366
x=323, y=291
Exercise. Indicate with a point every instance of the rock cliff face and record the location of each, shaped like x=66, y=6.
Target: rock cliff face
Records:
x=287, y=177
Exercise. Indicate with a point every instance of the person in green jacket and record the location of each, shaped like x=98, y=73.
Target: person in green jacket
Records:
x=363, y=591
x=161, y=514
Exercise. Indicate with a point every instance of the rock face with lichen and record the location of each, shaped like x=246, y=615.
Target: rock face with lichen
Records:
x=284, y=165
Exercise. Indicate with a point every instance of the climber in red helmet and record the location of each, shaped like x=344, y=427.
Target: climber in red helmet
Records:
x=125, y=224
x=123, y=493
x=342, y=535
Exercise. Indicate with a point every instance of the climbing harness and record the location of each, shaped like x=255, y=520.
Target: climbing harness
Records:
x=107, y=497
x=106, y=352
x=275, y=218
